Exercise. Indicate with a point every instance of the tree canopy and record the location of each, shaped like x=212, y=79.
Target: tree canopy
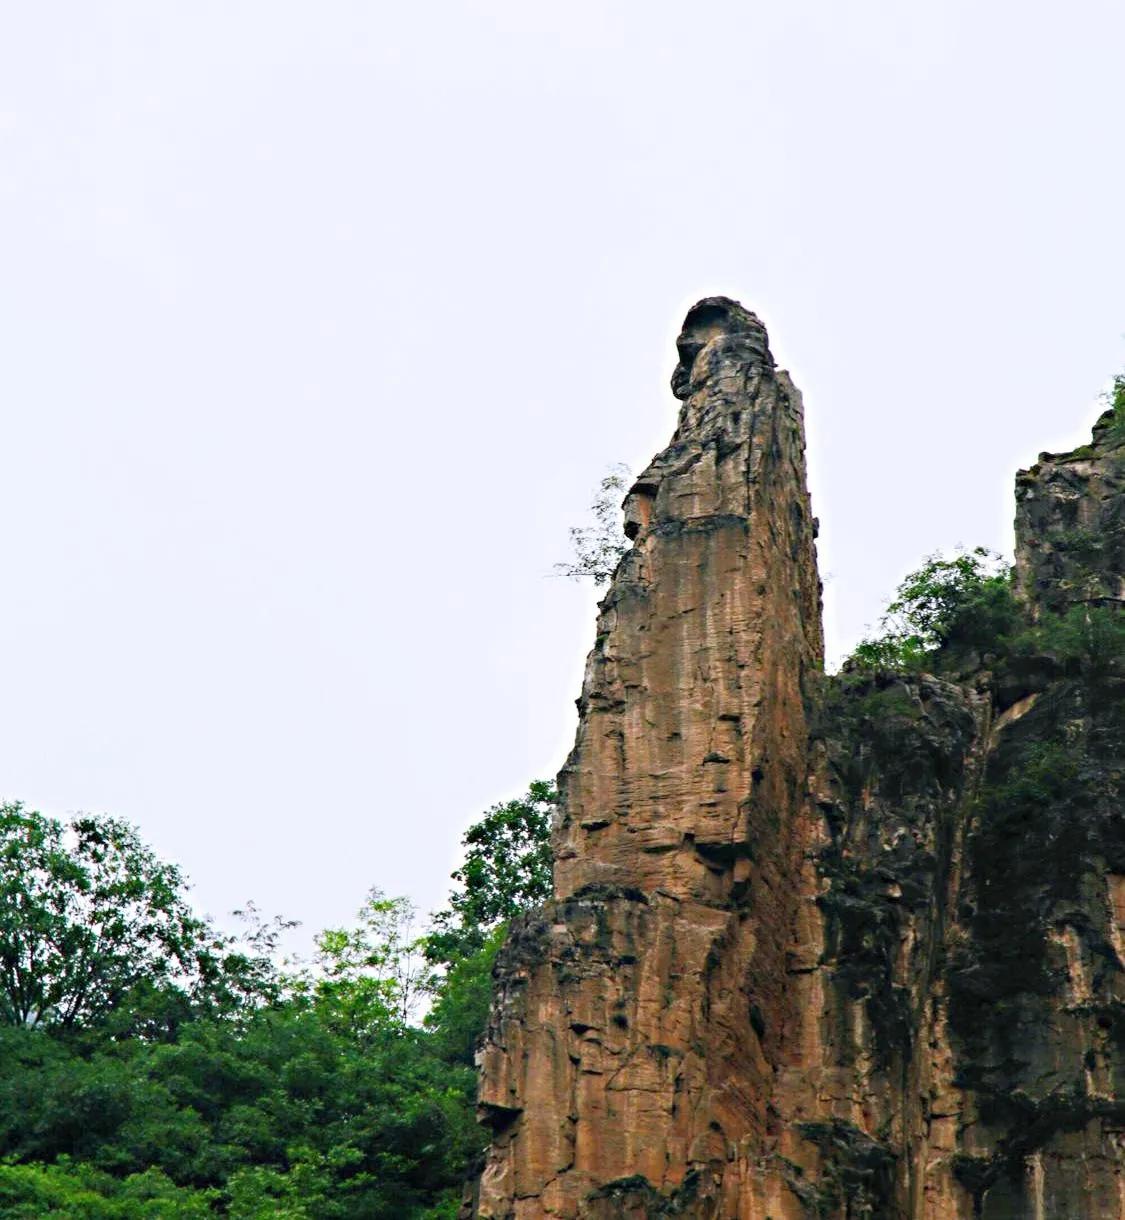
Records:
x=153, y=1067
x=88, y=918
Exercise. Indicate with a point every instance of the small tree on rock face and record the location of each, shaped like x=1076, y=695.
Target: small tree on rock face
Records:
x=1114, y=399
x=598, y=548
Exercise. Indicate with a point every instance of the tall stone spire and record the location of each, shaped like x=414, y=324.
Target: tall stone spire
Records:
x=628, y=1041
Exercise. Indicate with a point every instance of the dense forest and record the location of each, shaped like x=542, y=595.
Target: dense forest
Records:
x=151, y=1066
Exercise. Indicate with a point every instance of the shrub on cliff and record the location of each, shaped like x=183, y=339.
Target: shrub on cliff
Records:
x=1116, y=401
x=944, y=611
x=1087, y=640
x=598, y=548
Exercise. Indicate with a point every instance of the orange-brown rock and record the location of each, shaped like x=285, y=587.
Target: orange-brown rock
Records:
x=630, y=1038
x=836, y=948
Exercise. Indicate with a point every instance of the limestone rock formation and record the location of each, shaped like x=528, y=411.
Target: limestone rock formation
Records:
x=820, y=947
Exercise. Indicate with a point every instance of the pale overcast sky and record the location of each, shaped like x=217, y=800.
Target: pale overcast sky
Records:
x=322, y=321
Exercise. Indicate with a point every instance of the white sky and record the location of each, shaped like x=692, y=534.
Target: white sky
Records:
x=322, y=320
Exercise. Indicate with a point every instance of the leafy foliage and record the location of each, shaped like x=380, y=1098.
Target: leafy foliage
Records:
x=151, y=1067
x=291, y=1109
x=1086, y=640
x=1030, y=815
x=460, y=1009
x=507, y=870
x=947, y=606
x=373, y=975
x=598, y=548
x=91, y=921
x=33, y=1192
x=1116, y=401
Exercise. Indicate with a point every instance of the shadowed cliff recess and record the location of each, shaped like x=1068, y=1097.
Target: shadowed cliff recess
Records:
x=822, y=947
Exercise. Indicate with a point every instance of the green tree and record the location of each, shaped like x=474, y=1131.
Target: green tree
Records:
x=373, y=975
x=321, y=1104
x=64, y=1191
x=1084, y=640
x=1115, y=400
x=312, y=1095
x=507, y=871
x=88, y=918
x=462, y=998
x=947, y=606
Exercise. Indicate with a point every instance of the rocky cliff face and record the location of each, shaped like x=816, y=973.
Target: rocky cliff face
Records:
x=819, y=947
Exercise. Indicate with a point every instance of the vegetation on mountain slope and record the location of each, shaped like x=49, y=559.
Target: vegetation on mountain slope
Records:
x=151, y=1067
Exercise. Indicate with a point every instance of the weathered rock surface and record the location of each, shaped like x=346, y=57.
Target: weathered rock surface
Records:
x=820, y=947
x=1072, y=523
x=628, y=1039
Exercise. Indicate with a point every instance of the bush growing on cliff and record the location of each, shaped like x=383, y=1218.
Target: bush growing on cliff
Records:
x=1116, y=401
x=945, y=609
x=598, y=548
x=1087, y=640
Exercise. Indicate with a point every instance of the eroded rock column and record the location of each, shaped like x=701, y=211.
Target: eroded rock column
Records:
x=634, y=1039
